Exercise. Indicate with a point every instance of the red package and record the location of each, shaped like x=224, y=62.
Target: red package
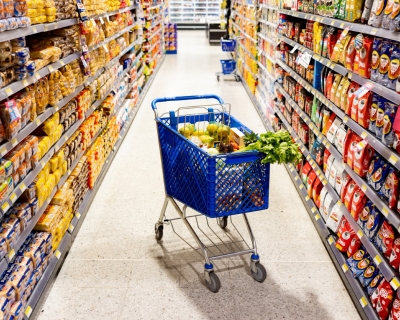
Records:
x=350, y=53
x=328, y=85
x=349, y=194
x=395, y=312
x=350, y=153
x=327, y=153
x=305, y=171
x=344, y=240
x=385, y=299
x=344, y=226
x=364, y=108
x=343, y=192
x=364, y=57
x=362, y=157
x=346, y=144
x=385, y=238
x=354, y=108
x=355, y=244
x=350, y=96
x=394, y=259
x=310, y=181
x=396, y=142
x=316, y=190
x=358, y=203
x=389, y=190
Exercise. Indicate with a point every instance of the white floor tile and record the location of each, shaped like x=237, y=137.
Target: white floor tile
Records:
x=117, y=270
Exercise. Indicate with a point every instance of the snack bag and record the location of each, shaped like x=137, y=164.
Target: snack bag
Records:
x=389, y=190
x=358, y=203
x=367, y=11
x=355, y=259
x=377, y=10
x=305, y=171
x=310, y=181
x=376, y=52
x=350, y=153
x=363, y=154
x=385, y=299
x=344, y=240
x=373, y=285
x=364, y=57
x=394, y=69
x=373, y=112
x=354, y=11
x=369, y=273
x=384, y=62
x=380, y=118
x=364, y=215
x=387, y=132
x=346, y=144
x=350, y=97
x=344, y=94
x=374, y=222
x=346, y=184
x=385, y=238
x=386, y=14
x=394, y=259
x=351, y=189
x=394, y=25
x=395, y=312
x=354, y=246
x=363, y=109
x=350, y=54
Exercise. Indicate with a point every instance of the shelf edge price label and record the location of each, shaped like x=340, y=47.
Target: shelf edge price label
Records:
x=13, y=197
x=377, y=260
x=25, y=83
x=363, y=302
x=364, y=135
x=5, y=206
x=57, y=254
x=28, y=311
x=330, y=239
x=313, y=209
x=301, y=186
x=22, y=187
x=393, y=159
x=360, y=233
x=395, y=283
x=307, y=198
x=11, y=254
x=345, y=268
x=317, y=217
x=71, y=228
x=78, y=215
x=364, y=187
x=51, y=69
x=9, y=91
x=296, y=178
x=385, y=211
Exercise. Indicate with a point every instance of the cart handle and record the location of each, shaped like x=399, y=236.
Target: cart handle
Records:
x=181, y=98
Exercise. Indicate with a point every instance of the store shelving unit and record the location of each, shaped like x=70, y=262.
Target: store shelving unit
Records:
x=268, y=38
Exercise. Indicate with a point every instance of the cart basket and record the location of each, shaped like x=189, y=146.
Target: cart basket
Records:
x=228, y=66
x=215, y=186
x=228, y=45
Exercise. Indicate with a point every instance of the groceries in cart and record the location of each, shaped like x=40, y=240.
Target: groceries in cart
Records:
x=218, y=138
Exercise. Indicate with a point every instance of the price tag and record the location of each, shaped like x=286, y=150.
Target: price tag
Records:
x=342, y=25
x=5, y=206
x=28, y=311
x=305, y=59
x=37, y=76
x=377, y=260
x=330, y=239
x=345, y=268
x=301, y=186
x=393, y=159
x=385, y=211
x=322, y=20
x=294, y=49
x=25, y=83
x=395, y=283
x=374, y=31
x=339, y=203
x=349, y=75
x=38, y=122
x=332, y=22
x=13, y=197
x=313, y=209
x=364, y=187
x=345, y=119
x=363, y=302
x=78, y=215
x=291, y=169
x=360, y=233
x=51, y=69
x=307, y=198
x=34, y=30
x=325, y=182
x=57, y=254
x=105, y=48
x=296, y=178
x=71, y=228
x=101, y=20
x=317, y=216
x=62, y=63
x=9, y=92
x=22, y=187
x=364, y=135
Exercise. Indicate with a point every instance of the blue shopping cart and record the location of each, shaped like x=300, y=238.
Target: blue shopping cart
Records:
x=216, y=186
x=229, y=65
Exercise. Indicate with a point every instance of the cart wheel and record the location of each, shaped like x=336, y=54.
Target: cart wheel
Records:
x=214, y=285
x=261, y=274
x=222, y=222
x=218, y=78
x=159, y=232
x=237, y=78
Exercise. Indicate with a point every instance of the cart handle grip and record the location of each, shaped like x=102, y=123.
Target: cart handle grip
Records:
x=181, y=98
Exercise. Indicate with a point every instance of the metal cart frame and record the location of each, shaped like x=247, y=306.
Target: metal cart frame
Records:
x=212, y=281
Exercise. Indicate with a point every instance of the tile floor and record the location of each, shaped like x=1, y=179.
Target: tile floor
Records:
x=116, y=269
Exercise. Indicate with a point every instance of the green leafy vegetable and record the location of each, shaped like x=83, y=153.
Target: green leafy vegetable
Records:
x=278, y=147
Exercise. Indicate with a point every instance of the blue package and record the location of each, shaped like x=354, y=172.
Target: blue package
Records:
x=355, y=258
x=380, y=118
x=360, y=267
x=379, y=169
x=364, y=215
x=373, y=112
x=368, y=275
x=373, y=285
x=373, y=224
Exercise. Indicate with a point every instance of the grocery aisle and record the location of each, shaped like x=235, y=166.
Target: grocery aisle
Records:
x=117, y=270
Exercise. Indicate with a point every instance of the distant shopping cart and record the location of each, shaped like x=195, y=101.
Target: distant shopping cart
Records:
x=228, y=65
x=216, y=186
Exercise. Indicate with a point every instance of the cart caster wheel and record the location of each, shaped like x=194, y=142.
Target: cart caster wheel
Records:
x=214, y=285
x=261, y=274
x=159, y=232
x=217, y=78
x=237, y=79
x=222, y=222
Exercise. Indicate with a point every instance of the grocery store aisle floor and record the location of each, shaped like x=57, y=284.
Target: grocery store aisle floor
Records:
x=117, y=270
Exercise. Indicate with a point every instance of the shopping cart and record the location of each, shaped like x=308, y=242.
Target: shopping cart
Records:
x=215, y=186
x=228, y=66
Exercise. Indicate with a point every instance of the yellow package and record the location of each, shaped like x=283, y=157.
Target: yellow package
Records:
x=346, y=42
x=39, y=184
x=57, y=175
x=335, y=85
x=317, y=37
x=46, y=171
x=354, y=10
x=32, y=13
x=64, y=167
x=336, y=99
x=50, y=11
x=53, y=164
x=60, y=156
x=51, y=182
x=343, y=96
x=59, y=198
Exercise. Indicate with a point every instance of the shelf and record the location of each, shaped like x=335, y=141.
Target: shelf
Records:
x=271, y=24
x=267, y=39
x=356, y=27
x=112, y=13
x=36, y=28
x=377, y=88
x=386, y=152
x=113, y=37
x=19, y=85
x=267, y=6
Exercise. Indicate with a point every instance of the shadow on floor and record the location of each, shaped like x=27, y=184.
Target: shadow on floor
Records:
x=240, y=297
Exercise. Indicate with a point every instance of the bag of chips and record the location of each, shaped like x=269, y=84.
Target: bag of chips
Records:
x=394, y=25
x=387, y=132
x=380, y=118
x=377, y=10
x=389, y=190
x=373, y=112
x=394, y=259
x=386, y=14
x=385, y=238
x=394, y=68
x=376, y=52
x=364, y=215
x=373, y=224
